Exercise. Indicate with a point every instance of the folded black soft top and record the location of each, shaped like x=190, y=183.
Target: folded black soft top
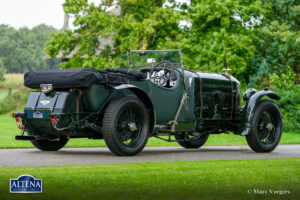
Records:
x=78, y=78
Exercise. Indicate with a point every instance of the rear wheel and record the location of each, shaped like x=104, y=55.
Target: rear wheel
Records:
x=50, y=145
x=191, y=140
x=126, y=126
x=266, y=127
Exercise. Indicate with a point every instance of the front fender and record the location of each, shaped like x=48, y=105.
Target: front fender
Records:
x=249, y=109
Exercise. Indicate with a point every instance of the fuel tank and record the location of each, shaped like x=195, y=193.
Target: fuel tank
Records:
x=41, y=107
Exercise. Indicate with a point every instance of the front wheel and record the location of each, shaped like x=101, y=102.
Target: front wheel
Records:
x=126, y=126
x=266, y=127
x=191, y=140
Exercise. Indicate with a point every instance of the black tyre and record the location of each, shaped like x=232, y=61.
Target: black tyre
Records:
x=266, y=127
x=126, y=126
x=48, y=145
x=192, y=140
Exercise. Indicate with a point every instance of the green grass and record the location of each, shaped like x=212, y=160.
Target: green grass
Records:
x=3, y=93
x=8, y=129
x=231, y=179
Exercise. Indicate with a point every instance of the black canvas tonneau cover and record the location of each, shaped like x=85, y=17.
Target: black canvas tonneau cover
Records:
x=78, y=78
x=139, y=75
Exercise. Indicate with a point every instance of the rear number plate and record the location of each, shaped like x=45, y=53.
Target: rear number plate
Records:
x=37, y=114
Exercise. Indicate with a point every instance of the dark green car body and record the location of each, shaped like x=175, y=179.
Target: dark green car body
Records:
x=206, y=103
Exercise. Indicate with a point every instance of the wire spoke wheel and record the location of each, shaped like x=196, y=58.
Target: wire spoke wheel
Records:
x=126, y=126
x=266, y=127
x=129, y=126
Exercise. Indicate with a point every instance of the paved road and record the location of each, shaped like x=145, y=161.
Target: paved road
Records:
x=80, y=156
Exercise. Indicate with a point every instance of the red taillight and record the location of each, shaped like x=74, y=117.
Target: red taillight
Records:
x=54, y=116
x=21, y=127
x=18, y=114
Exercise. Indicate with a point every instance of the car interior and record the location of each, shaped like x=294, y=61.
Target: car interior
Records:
x=163, y=77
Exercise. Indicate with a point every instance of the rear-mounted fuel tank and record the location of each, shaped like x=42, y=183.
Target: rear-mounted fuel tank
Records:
x=41, y=108
x=40, y=105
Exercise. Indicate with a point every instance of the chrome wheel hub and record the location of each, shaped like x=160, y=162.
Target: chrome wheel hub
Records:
x=132, y=126
x=269, y=126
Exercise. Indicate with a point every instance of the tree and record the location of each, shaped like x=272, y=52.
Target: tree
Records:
x=214, y=41
x=277, y=43
x=141, y=25
x=253, y=38
x=23, y=50
x=220, y=35
x=2, y=71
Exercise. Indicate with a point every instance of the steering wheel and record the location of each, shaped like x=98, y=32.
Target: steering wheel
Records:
x=162, y=77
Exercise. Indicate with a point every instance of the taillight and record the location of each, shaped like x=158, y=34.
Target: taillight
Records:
x=21, y=127
x=19, y=114
x=54, y=116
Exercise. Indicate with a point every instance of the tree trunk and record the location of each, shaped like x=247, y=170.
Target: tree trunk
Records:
x=66, y=21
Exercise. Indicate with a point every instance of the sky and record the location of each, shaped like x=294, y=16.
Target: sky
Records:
x=30, y=13
x=20, y=13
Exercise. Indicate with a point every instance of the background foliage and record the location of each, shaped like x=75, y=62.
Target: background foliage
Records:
x=14, y=101
x=2, y=71
x=277, y=44
x=255, y=38
x=219, y=37
x=22, y=50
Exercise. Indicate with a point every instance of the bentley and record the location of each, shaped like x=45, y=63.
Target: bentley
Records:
x=151, y=94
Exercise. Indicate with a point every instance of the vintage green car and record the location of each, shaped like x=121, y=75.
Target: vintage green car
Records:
x=155, y=97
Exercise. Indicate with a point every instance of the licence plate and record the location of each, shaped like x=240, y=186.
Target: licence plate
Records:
x=37, y=114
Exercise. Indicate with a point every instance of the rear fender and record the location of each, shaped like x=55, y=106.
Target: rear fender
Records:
x=142, y=96
x=249, y=109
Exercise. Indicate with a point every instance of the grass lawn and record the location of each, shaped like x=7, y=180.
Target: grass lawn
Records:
x=8, y=129
x=231, y=179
